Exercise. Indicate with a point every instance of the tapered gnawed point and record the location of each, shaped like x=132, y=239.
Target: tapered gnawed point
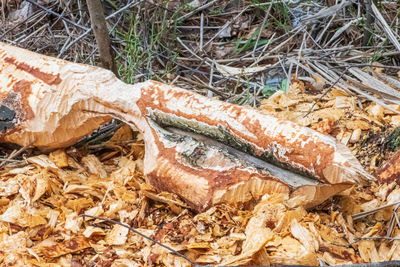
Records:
x=347, y=167
x=60, y=102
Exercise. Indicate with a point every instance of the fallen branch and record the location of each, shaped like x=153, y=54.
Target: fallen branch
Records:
x=57, y=102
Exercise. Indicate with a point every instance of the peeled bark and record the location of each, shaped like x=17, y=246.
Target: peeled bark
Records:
x=390, y=170
x=52, y=103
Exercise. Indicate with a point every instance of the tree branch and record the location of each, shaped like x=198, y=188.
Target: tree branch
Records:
x=100, y=30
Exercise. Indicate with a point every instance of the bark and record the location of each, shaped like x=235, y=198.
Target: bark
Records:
x=369, y=22
x=59, y=102
x=100, y=30
x=390, y=170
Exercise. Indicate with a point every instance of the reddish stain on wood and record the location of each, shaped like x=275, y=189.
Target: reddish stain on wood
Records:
x=47, y=78
x=71, y=244
x=390, y=171
x=23, y=88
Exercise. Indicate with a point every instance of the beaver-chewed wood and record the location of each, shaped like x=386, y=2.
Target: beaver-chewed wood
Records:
x=59, y=102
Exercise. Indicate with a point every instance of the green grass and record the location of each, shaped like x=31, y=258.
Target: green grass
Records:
x=394, y=139
x=251, y=42
x=133, y=52
x=279, y=17
x=216, y=11
x=282, y=17
x=144, y=39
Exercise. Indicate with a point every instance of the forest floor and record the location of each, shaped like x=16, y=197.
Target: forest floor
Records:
x=330, y=65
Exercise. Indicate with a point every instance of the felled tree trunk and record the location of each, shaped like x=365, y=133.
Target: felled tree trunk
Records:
x=52, y=103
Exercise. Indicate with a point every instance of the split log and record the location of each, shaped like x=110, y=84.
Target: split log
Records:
x=51, y=103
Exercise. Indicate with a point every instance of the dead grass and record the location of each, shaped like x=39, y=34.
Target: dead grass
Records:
x=189, y=42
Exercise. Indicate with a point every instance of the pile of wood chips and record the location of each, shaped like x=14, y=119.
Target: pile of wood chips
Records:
x=41, y=204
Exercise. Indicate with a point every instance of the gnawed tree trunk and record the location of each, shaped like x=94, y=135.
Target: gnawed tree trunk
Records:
x=389, y=171
x=52, y=103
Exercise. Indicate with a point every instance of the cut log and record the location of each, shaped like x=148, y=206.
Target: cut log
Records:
x=51, y=103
